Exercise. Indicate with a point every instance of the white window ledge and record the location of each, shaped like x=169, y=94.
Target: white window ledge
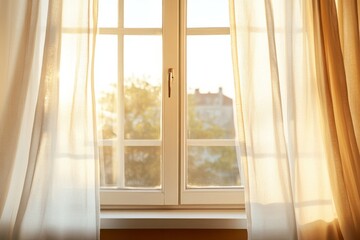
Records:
x=173, y=219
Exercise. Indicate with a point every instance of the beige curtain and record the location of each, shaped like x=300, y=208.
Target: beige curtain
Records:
x=48, y=172
x=297, y=123
x=339, y=85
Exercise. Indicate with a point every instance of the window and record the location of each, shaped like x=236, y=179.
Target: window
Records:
x=165, y=98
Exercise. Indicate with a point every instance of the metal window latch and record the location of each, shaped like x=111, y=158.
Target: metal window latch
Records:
x=170, y=80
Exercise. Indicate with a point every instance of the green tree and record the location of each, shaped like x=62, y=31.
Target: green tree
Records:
x=142, y=110
x=142, y=103
x=142, y=121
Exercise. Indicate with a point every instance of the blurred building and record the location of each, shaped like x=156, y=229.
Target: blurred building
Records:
x=214, y=109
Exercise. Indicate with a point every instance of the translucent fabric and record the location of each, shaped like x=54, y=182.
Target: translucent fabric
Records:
x=297, y=129
x=48, y=172
x=336, y=37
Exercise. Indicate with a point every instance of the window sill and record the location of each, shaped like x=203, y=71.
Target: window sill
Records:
x=173, y=219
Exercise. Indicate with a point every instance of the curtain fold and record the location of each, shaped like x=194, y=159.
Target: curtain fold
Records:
x=49, y=187
x=16, y=52
x=349, y=31
x=339, y=83
x=298, y=91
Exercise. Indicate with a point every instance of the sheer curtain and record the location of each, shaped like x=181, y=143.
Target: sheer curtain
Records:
x=300, y=156
x=48, y=171
x=338, y=76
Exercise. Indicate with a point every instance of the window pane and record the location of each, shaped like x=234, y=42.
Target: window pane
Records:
x=210, y=88
x=108, y=13
x=106, y=78
x=142, y=90
x=142, y=13
x=207, y=13
x=142, y=167
x=210, y=114
x=212, y=167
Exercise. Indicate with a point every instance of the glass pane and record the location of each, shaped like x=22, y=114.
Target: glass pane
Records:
x=108, y=13
x=142, y=13
x=212, y=167
x=210, y=116
x=109, y=166
x=207, y=13
x=142, y=86
x=106, y=78
x=142, y=167
x=210, y=88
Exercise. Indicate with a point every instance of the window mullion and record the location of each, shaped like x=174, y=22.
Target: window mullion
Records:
x=171, y=105
x=120, y=101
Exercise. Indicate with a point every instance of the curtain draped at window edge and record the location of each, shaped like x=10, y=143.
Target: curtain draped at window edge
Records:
x=60, y=195
x=339, y=135
x=340, y=121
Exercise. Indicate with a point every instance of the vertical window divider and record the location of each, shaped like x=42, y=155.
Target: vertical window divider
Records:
x=120, y=101
x=171, y=105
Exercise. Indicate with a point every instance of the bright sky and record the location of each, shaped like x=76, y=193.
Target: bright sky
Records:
x=208, y=58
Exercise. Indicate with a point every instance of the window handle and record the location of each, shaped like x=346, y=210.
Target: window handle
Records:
x=170, y=80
